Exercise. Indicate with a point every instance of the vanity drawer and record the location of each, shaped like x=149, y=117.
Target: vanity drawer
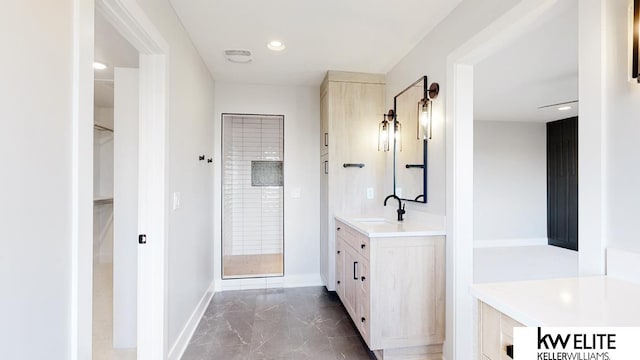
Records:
x=348, y=235
x=363, y=245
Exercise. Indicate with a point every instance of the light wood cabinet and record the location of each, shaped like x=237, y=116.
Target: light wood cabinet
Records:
x=351, y=106
x=394, y=290
x=495, y=332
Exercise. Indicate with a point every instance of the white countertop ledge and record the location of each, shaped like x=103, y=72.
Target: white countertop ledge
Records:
x=579, y=301
x=380, y=227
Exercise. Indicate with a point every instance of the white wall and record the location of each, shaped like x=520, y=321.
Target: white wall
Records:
x=191, y=118
x=429, y=58
x=35, y=153
x=622, y=134
x=509, y=182
x=301, y=109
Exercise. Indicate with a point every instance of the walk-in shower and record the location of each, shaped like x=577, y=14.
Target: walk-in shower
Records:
x=252, y=195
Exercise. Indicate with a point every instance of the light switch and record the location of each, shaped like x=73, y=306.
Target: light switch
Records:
x=176, y=200
x=295, y=193
x=370, y=193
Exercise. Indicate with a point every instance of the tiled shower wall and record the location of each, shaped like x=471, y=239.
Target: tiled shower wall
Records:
x=252, y=219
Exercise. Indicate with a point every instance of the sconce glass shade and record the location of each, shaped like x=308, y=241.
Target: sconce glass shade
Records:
x=397, y=133
x=424, y=119
x=383, y=135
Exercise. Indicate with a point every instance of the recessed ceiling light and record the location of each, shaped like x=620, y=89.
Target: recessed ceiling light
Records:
x=564, y=108
x=276, y=45
x=99, y=65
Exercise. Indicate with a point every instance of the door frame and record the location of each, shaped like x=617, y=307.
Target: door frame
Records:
x=461, y=309
x=132, y=23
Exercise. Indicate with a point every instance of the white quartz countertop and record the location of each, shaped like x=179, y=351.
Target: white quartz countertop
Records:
x=579, y=301
x=381, y=227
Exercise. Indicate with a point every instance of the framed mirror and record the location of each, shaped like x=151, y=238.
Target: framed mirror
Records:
x=412, y=124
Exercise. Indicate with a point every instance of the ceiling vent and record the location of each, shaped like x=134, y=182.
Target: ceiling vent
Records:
x=238, y=56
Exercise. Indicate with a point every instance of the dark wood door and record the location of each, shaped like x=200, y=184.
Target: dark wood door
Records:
x=562, y=183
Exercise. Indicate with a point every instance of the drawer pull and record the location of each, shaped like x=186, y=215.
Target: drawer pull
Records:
x=362, y=246
x=326, y=139
x=510, y=351
x=338, y=251
x=338, y=282
x=363, y=319
x=338, y=229
x=355, y=268
x=363, y=278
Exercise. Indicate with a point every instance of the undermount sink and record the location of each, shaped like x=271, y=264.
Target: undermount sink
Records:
x=374, y=221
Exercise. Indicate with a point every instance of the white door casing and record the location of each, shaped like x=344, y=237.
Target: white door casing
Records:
x=132, y=23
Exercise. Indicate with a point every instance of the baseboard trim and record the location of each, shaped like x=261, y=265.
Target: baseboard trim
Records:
x=510, y=242
x=288, y=281
x=179, y=347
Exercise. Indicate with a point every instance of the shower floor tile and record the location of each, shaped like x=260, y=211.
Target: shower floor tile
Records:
x=239, y=266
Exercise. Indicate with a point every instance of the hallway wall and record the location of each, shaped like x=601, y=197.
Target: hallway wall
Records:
x=35, y=153
x=190, y=126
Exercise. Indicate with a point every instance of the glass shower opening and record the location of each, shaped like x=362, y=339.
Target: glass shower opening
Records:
x=252, y=196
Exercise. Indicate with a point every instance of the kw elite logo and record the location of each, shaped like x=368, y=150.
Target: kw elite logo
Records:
x=593, y=346
x=554, y=343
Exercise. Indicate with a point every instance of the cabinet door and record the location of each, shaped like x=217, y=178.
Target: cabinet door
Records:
x=363, y=318
x=324, y=222
x=490, y=332
x=351, y=262
x=340, y=255
x=324, y=121
x=409, y=292
x=363, y=300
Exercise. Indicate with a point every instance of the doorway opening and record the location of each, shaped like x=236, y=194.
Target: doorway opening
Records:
x=115, y=179
x=128, y=20
x=460, y=157
x=525, y=154
x=253, y=196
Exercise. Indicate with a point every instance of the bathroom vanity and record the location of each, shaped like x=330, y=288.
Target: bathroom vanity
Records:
x=390, y=277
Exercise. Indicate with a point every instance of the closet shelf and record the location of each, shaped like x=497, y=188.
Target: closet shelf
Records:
x=103, y=200
x=102, y=128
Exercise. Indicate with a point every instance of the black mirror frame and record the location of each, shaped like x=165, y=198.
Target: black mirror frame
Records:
x=422, y=198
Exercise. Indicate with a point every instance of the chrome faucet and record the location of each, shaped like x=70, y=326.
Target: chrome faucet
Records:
x=400, y=210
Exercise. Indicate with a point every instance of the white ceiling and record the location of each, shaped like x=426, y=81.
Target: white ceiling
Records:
x=114, y=51
x=354, y=35
x=539, y=68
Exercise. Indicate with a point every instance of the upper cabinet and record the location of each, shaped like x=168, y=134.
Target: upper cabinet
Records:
x=350, y=107
x=324, y=121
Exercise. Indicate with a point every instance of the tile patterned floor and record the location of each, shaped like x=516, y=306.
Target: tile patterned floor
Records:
x=296, y=324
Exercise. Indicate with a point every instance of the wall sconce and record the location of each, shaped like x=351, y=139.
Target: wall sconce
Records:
x=384, y=132
x=425, y=111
